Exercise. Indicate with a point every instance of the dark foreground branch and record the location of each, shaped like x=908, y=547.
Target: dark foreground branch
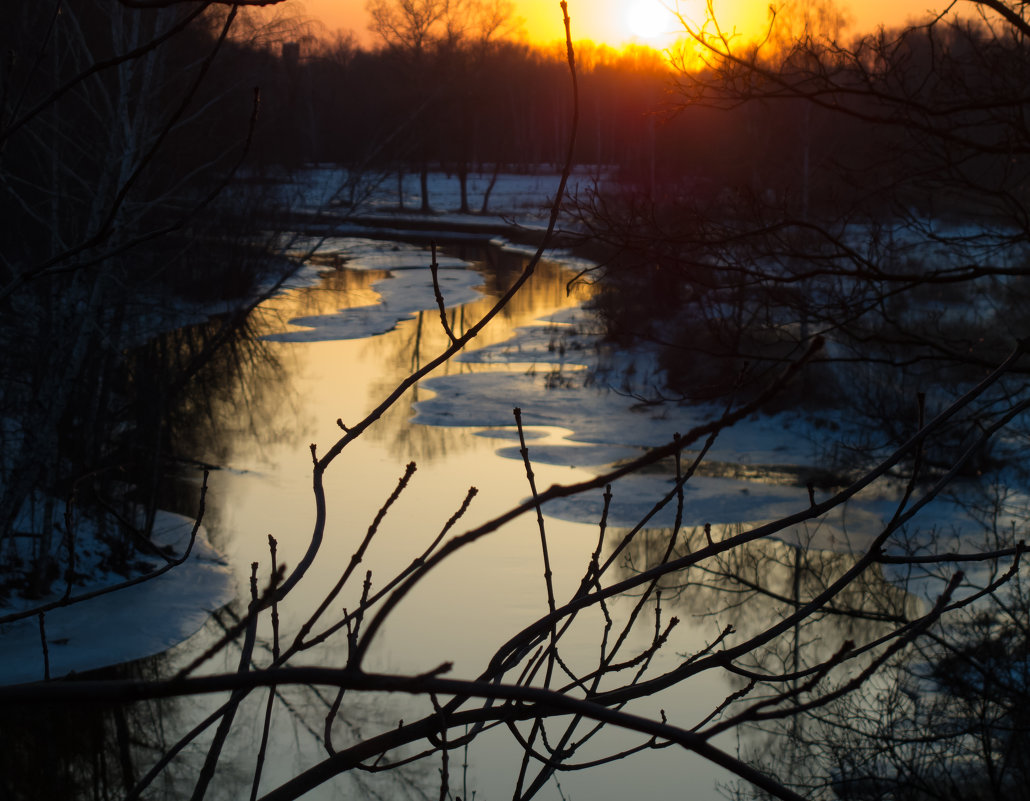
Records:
x=526, y=703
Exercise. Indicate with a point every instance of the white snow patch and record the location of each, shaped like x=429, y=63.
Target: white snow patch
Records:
x=527, y=194
x=132, y=623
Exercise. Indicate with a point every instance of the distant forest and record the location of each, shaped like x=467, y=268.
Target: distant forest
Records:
x=672, y=123
x=505, y=105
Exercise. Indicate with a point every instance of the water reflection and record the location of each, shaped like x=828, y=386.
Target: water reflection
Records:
x=463, y=611
x=237, y=393
x=231, y=389
x=288, y=394
x=943, y=719
x=88, y=751
x=755, y=585
x=297, y=730
x=378, y=363
x=336, y=288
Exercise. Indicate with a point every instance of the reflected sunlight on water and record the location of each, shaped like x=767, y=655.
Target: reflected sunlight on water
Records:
x=472, y=603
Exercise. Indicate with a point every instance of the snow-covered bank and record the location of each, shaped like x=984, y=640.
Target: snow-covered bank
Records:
x=525, y=195
x=131, y=623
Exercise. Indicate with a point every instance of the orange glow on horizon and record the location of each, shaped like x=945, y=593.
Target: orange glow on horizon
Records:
x=620, y=22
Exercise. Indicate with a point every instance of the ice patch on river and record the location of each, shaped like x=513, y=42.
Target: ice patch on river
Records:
x=407, y=290
x=587, y=420
x=359, y=253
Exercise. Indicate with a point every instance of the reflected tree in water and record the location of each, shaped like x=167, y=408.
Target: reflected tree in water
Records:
x=83, y=750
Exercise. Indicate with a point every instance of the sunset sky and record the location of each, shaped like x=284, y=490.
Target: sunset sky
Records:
x=617, y=22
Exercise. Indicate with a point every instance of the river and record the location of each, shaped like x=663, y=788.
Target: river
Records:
x=330, y=349
x=472, y=603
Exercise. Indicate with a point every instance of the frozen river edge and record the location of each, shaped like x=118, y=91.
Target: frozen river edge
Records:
x=132, y=623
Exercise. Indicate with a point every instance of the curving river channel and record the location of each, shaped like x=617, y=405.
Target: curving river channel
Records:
x=355, y=323
x=332, y=349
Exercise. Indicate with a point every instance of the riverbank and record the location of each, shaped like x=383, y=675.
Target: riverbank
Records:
x=122, y=626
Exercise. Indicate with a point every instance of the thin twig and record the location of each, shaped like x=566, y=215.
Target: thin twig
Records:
x=43, y=642
x=270, y=703
x=356, y=557
x=434, y=269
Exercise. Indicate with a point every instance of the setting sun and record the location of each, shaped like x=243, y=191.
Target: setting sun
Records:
x=617, y=22
x=649, y=19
